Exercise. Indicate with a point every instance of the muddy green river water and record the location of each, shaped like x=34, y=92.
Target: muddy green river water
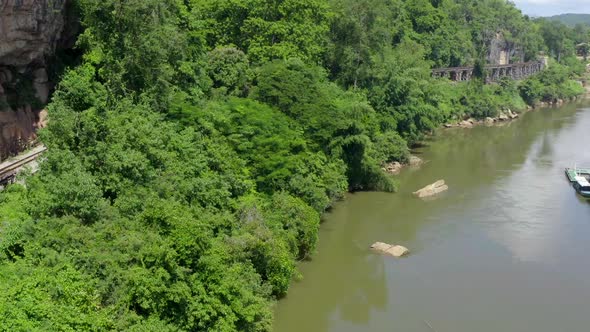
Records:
x=506, y=249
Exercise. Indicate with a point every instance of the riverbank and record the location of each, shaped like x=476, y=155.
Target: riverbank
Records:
x=506, y=116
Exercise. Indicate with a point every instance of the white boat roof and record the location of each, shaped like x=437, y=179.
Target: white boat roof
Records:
x=582, y=181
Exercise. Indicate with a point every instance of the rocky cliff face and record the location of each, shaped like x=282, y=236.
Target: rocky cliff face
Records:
x=29, y=30
x=30, y=33
x=501, y=52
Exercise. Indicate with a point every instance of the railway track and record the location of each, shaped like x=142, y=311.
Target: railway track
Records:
x=10, y=168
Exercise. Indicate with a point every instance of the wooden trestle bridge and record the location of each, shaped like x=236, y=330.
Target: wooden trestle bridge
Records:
x=494, y=73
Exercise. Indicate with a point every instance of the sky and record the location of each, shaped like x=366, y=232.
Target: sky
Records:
x=552, y=7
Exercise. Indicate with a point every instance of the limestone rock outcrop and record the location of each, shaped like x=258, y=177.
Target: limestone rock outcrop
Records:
x=30, y=33
x=30, y=30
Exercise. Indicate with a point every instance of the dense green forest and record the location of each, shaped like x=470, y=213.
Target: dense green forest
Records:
x=194, y=145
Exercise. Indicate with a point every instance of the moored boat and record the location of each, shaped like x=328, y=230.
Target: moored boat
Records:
x=582, y=186
x=572, y=173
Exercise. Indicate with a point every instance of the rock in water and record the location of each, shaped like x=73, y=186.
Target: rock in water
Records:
x=393, y=168
x=395, y=251
x=433, y=189
x=398, y=251
x=380, y=246
x=512, y=115
x=415, y=161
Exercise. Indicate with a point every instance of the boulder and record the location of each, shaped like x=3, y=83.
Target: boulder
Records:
x=415, y=161
x=512, y=115
x=398, y=251
x=432, y=190
x=503, y=117
x=380, y=246
x=465, y=124
x=388, y=249
x=393, y=168
x=489, y=121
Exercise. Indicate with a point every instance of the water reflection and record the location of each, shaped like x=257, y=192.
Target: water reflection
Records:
x=350, y=288
x=533, y=228
x=509, y=225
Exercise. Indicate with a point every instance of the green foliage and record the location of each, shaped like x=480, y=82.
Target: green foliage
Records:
x=552, y=84
x=195, y=144
x=575, y=67
x=142, y=48
x=79, y=89
x=556, y=39
x=268, y=29
x=49, y=298
x=276, y=152
x=13, y=222
x=229, y=70
x=67, y=190
x=478, y=99
x=531, y=91
x=343, y=125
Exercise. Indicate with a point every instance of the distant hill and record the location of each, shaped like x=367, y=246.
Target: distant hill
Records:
x=571, y=19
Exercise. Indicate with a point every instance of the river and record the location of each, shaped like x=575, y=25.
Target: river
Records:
x=507, y=248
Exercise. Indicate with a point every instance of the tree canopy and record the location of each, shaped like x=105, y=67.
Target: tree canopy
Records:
x=195, y=144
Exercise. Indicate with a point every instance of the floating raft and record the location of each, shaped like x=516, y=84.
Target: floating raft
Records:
x=571, y=173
